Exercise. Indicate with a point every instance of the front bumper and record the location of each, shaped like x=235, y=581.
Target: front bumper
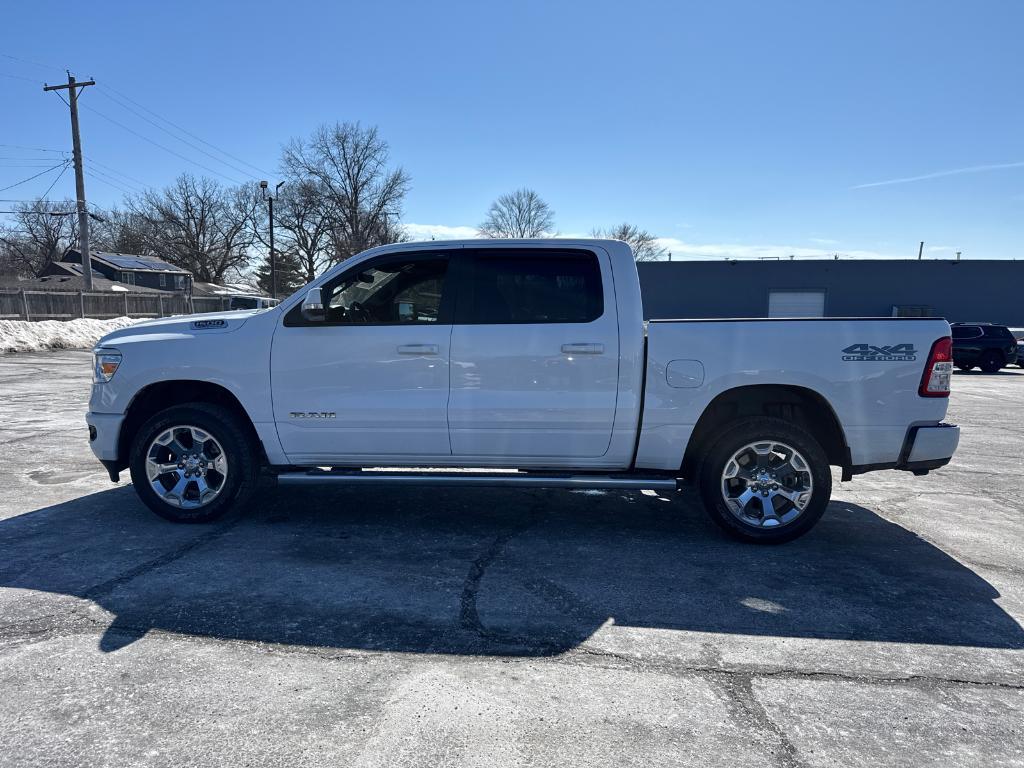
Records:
x=104, y=431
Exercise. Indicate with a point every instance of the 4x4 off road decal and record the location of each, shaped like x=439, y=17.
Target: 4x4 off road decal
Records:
x=897, y=353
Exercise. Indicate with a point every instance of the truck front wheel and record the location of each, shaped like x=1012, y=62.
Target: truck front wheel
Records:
x=191, y=463
x=765, y=480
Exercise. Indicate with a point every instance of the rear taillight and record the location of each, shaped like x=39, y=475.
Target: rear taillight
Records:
x=938, y=370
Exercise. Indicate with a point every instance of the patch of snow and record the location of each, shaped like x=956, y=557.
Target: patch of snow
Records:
x=24, y=336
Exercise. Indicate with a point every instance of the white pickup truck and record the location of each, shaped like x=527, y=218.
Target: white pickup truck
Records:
x=528, y=361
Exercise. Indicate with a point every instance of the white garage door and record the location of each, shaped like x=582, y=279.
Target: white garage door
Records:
x=796, y=304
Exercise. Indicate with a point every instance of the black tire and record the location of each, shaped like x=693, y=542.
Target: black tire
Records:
x=991, y=362
x=964, y=367
x=754, y=430
x=242, y=459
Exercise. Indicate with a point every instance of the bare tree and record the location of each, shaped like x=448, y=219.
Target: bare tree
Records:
x=34, y=238
x=200, y=225
x=518, y=214
x=361, y=195
x=121, y=231
x=302, y=227
x=644, y=244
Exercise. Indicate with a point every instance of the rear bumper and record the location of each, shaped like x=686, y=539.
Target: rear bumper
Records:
x=925, y=448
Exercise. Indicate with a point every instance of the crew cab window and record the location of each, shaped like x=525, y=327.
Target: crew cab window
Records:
x=966, y=332
x=534, y=287
x=389, y=292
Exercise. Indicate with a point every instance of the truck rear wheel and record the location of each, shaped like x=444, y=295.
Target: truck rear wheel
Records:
x=192, y=463
x=765, y=480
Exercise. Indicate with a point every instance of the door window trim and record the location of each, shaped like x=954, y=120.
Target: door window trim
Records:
x=445, y=311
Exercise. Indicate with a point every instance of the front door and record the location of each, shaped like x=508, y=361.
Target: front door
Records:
x=371, y=381
x=535, y=357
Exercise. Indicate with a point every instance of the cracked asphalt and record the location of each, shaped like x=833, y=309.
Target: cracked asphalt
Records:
x=478, y=627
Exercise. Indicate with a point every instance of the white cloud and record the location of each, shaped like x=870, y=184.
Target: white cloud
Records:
x=681, y=249
x=439, y=232
x=823, y=241
x=938, y=174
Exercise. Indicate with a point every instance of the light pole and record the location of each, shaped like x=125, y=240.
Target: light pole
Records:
x=270, y=208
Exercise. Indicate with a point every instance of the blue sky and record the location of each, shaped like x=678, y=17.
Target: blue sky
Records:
x=728, y=128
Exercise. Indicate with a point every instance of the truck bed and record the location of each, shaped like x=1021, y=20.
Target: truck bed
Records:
x=868, y=370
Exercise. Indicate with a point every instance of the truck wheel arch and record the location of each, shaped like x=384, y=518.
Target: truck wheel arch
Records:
x=165, y=394
x=801, y=405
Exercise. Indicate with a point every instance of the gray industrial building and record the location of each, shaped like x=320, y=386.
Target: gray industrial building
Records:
x=978, y=291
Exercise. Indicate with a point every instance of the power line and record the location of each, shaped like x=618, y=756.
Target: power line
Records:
x=161, y=146
x=112, y=182
x=33, y=149
x=178, y=138
x=116, y=172
x=19, y=183
x=54, y=182
x=47, y=67
x=25, y=164
x=35, y=200
x=187, y=132
x=17, y=77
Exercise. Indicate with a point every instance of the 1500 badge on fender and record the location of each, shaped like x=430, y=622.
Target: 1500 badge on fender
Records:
x=889, y=354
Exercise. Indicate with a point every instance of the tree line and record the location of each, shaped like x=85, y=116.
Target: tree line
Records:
x=341, y=195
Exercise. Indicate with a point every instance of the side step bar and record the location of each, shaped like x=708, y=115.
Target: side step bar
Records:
x=479, y=479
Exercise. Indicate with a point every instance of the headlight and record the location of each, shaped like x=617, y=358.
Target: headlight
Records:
x=106, y=364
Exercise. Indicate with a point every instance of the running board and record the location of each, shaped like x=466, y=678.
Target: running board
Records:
x=478, y=479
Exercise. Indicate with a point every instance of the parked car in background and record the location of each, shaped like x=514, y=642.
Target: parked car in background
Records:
x=252, y=302
x=1019, y=335
x=985, y=345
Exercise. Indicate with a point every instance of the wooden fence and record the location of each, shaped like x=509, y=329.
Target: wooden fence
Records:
x=65, y=305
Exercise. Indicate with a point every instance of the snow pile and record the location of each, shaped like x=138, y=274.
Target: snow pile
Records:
x=22, y=336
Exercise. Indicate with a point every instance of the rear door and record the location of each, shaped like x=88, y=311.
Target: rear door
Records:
x=534, y=356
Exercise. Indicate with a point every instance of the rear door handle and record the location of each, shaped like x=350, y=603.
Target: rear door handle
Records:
x=583, y=349
x=417, y=349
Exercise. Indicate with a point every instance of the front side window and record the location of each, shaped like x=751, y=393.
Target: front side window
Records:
x=390, y=292
x=535, y=287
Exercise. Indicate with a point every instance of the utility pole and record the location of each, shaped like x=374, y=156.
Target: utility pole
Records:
x=273, y=257
x=76, y=146
x=958, y=255
x=920, y=250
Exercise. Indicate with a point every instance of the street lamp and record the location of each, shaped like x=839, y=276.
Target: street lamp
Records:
x=270, y=206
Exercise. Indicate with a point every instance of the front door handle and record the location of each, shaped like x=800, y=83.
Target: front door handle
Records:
x=417, y=349
x=583, y=349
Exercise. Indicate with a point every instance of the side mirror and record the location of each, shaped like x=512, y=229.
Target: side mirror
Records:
x=313, y=307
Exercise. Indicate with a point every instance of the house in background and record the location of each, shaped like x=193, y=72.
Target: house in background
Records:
x=125, y=268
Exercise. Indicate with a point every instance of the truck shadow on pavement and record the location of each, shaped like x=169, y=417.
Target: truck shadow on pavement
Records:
x=489, y=572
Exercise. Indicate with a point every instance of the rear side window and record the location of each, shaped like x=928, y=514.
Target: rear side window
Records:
x=534, y=287
x=998, y=332
x=966, y=332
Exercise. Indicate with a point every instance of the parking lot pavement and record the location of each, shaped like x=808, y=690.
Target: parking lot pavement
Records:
x=489, y=627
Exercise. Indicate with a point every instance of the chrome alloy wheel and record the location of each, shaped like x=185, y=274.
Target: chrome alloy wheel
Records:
x=767, y=484
x=186, y=467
